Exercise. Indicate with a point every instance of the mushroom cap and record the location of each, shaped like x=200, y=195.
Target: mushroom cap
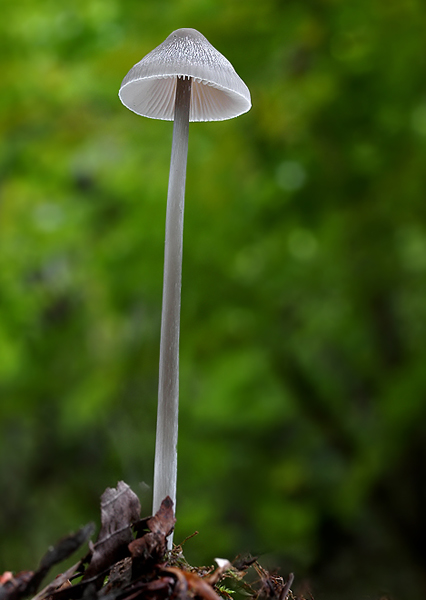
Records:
x=218, y=93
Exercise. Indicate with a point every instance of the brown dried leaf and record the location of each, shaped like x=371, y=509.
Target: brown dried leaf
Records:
x=120, y=507
x=61, y=551
x=57, y=583
x=153, y=544
x=27, y=582
x=164, y=519
x=198, y=586
x=17, y=586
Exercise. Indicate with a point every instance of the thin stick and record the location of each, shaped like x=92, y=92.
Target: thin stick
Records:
x=165, y=465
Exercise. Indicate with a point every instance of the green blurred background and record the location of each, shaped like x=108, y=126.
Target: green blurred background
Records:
x=303, y=333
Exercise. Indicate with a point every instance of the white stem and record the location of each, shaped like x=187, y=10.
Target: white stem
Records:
x=165, y=465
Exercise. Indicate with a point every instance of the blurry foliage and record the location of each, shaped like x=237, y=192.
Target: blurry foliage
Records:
x=303, y=335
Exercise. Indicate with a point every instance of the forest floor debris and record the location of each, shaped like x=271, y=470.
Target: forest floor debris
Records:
x=130, y=561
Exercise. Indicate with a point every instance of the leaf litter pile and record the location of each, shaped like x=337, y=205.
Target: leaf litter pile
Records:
x=130, y=561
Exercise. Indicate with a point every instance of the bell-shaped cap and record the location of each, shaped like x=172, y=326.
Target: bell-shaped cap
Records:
x=218, y=93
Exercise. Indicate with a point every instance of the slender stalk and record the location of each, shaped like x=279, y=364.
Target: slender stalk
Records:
x=165, y=465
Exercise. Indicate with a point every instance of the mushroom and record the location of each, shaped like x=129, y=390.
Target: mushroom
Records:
x=184, y=79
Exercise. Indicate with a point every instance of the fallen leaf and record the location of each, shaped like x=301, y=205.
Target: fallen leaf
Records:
x=164, y=519
x=120, y=507
x=17, y=586
x=61, y=551
x=27, y=582
x=152, y=544
x=198, y=586
x=65, y=547
x=58, y=582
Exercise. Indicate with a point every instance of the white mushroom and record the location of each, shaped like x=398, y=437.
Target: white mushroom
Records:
x=149, y=88
x=183, y=79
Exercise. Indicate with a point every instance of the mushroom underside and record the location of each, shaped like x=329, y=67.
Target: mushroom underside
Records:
x=155, y=98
